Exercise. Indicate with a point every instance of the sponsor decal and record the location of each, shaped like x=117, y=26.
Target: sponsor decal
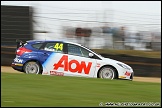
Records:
x=122, y=77
x=45, y=72
x=18, y=60
x=64, y=63
x=18, y=64
x=98, y=65
x=127, y=73
x=56, y=73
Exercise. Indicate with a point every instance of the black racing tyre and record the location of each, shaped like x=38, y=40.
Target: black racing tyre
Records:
x=107, y=72
x=32, y=68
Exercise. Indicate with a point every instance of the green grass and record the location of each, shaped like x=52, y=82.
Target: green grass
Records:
x=149, y=54
x=38, y=90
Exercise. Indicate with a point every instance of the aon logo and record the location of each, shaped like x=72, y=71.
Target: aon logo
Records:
x=18, y=60
x=64, y=63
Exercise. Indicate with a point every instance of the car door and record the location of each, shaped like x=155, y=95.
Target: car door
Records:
x=79, y=62
x=50, y=54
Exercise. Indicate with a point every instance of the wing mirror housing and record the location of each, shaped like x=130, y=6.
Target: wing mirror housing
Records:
x=91, y=55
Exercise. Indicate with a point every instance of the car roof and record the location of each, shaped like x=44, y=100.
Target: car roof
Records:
x=60, y=41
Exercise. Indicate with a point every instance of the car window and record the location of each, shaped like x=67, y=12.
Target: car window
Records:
x=77, y=50
x=54, y=47
x=37, y=46
x=74, y=50
x=85, y=52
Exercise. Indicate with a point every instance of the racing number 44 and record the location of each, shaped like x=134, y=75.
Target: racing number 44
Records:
x=58, y=46
x=63, y=63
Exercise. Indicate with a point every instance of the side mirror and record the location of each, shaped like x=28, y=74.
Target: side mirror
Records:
x=91, y=55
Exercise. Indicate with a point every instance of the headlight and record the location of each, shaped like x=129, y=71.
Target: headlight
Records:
x=124, y=66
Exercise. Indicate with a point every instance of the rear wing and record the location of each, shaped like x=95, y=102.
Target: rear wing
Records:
x=19, y=43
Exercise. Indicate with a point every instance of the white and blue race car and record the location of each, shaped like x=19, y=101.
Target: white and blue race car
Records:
x=67, y=59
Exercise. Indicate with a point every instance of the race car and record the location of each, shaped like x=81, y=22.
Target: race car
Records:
x=62, y=58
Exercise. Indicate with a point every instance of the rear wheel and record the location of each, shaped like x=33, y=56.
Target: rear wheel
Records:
x=107, y=72
x=32, y=68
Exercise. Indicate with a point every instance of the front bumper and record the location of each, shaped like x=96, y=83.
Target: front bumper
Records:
x=126, y=76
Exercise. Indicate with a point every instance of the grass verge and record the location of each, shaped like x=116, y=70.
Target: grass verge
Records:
x=38, y=90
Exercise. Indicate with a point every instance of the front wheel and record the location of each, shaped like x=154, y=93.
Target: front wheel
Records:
x=32, y=68
x=107, y=72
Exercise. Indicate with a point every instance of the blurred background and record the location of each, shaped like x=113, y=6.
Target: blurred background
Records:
x=132, y=25
x=114, y=25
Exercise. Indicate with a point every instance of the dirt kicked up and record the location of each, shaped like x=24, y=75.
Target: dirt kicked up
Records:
x=143, y=79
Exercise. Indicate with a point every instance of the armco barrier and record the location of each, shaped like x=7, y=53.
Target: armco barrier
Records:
x=143, y=67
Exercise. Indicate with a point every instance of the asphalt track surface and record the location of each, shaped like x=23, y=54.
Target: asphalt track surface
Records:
x=8, y=69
